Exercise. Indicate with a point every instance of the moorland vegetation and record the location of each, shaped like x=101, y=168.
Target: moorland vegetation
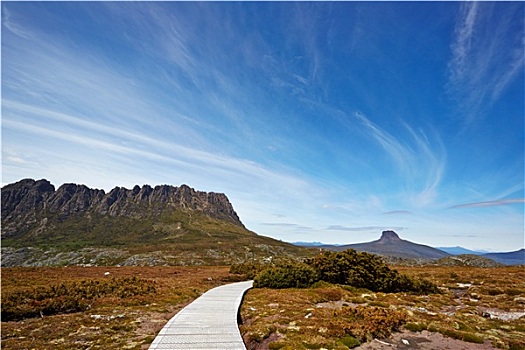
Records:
x=349, y=268
x=474, y=305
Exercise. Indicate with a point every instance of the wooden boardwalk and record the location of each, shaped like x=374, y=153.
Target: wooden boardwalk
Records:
x=209, y=322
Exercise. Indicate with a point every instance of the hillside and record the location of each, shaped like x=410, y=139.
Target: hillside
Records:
x=509, y=258
x=391, y=245
x=467, y=260
x=460, y=251
x=164, y=225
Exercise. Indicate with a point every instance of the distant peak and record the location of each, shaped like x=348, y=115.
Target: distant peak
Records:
x=389, y=236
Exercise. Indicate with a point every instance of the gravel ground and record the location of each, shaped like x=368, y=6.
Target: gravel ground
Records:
x=423, y=341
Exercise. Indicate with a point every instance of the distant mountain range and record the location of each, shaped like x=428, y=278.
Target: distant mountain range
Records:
x=507, y=258
x=161, y=225
x=390, y=245
x=315, y=244
x=511, y=258
x=145, y=225
x=460, y=250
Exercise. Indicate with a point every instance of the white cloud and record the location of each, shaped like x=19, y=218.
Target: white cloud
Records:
x=494, y=203
x=487, y=55
x=421, y=161
x=364, y=228
x=398, y=212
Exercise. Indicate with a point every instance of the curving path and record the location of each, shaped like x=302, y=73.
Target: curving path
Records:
x=209, y=322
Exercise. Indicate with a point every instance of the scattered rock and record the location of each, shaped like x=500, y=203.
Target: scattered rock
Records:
x=500, y=314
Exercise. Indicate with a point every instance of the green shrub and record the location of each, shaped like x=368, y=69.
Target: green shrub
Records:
x=464, y=336
x=415, y=327
x=365, y=270
x=69, y=297
x=349, y=268
x=349, y=341
x=292, y=275
x=249, y=269
x=275, y=346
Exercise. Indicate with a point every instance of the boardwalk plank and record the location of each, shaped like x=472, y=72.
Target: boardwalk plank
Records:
x=209, y=323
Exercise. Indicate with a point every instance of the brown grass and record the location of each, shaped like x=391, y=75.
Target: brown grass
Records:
x=281, y=315
x=111, y=322
x=319, y=317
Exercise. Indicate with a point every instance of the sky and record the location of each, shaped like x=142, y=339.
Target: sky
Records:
x=321, y=121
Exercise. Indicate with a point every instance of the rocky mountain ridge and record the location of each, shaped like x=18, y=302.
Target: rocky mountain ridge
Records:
x=161, y=225
x=28, y=202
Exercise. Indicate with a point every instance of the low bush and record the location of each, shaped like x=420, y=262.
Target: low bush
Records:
x=292, y=275
x=69, y=297
x=249, y=269
x=415, y=327
x=328, y=294
x=350, y=268
x=365, y=323
x=275, y=346
x=365, y=270
x=349, y=341
x=464, y=336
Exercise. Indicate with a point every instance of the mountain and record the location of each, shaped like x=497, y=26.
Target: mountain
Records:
x=467, y=260
x=391, y=245
x=147, y=225
x=313, y=244
x=460, y=251
x=25, y=201
x=510, y=258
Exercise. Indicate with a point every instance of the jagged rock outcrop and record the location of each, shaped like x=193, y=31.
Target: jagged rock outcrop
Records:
x=28, y=203
x=21, y=202
x=161, y=225
x=388, y=237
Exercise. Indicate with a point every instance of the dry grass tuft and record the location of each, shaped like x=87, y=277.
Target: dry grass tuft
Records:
x=116, y=319
x=472, y=306
x=329, y=316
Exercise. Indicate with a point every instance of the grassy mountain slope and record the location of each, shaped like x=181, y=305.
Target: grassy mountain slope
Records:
x=164, y=225
x=178, y=237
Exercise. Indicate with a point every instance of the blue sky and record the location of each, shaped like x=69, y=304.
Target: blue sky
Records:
x=321, y=121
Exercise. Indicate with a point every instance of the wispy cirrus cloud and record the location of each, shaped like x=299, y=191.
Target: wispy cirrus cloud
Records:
x=56, y=94
x=287, y=225
x=420, y=160
x=363, y=228
x=487, y=56
x=398, y=212
x=494, y=203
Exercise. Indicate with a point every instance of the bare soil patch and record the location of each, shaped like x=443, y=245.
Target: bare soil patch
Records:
x=425, y=340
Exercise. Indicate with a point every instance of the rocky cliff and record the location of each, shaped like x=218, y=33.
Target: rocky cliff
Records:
x=28, y=204
x=162, y=225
